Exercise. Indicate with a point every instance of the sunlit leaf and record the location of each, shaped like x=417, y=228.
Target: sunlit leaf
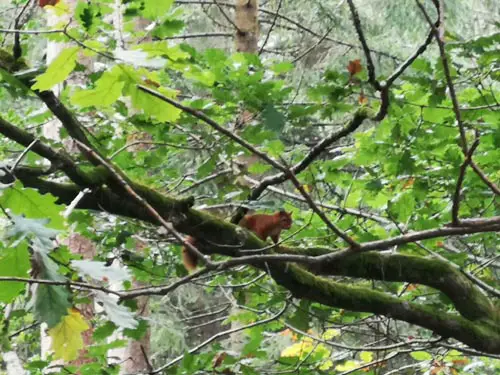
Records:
x=66, y=335
x=58, y=70
x=15, y=262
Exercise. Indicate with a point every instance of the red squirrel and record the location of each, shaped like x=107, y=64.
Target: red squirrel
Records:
x=262, y=225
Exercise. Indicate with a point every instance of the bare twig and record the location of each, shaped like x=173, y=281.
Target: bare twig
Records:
x=353, y=244
x=199, y=35
x=310, y=49
x=361, y=36
x=31, y=32
x=23, y=154
x=219, y=335
x=460, y=180
x=200, y=115
x=205, y=180
x=453, y=96
x=149, y=366
x=271, y=27
x=420, y=50
x=493, y=187
x=225, y=15
x=68, y=283
x=154, y=144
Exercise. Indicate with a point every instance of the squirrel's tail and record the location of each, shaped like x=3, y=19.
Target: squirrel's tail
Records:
x=189, y=258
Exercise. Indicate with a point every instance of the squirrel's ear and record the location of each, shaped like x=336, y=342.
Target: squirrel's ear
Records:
x=290, y=213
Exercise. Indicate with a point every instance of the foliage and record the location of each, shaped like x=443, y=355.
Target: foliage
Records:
x=220, y=126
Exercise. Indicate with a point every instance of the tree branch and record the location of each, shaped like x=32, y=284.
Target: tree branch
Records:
x=453, y=96
x=361, y=36
x=313, y=153
x=460, y=180
x=200, y=115
x=482, y=335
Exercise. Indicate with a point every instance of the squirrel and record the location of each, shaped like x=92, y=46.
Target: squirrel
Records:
x=263, y=225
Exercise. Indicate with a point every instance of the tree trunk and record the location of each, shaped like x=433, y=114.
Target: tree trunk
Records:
x=247, y=23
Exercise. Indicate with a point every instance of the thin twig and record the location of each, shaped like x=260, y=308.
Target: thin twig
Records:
x=205, y=180
x=200, y=115
x=460, y=180
x=199, y=35
x=420, y=50
x=120, y=179
x=219, y=335
x=310, y=49
x=453, y=96
x=23, y=154
x=353, y=244
x=271, y=28
x=154, y=144
x=226, y=16
x=32, y=32
x=361, y=36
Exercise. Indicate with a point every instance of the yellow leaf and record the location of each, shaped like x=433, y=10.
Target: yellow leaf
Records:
x=298, y=350
x=330, y=334
x=347, y=366
x=66, y=335
x=327, y=365
x=366, y=356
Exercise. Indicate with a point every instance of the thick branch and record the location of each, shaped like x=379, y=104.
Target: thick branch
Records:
x=467, y=299
x=481, y=335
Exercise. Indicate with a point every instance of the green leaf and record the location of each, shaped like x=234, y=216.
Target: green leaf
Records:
x=155, y=107
x=282, y=67
x=421, y=356
x=273, y=120
x=104, y=331
x=275, y=148
x=259, y=168
x=160, y=49
x=51, y=304
x=436, y=115
x=255, y=341
x=168, y=28
x=137, y=333
x=366, y=356
x=403, y=206
x=300, y=319
x=154, y=9
x=30, y=203
x=14, y=262
x=107, y=91
x=58, y=70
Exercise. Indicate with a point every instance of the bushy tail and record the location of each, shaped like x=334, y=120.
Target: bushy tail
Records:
x=189, y=258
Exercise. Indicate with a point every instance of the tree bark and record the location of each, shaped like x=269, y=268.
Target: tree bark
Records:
x=247, y=24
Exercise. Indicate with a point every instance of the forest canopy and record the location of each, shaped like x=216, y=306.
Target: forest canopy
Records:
x=362, y=136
